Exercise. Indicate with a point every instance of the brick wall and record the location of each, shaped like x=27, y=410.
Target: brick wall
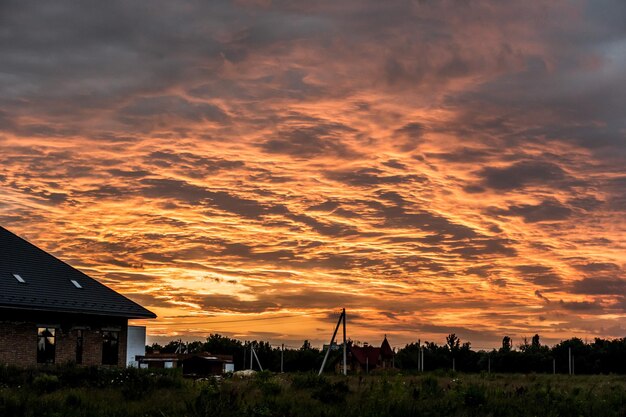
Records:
x=14, y=335
x=18, y=338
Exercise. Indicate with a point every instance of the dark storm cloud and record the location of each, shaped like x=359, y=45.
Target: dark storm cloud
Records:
x=595, y=267
x=480, y=247
x=128, y=173
x=617, y=193
x=68, y=62
x=394, y=163
x=193, y=194
x=547, y=210
x=600, y=286
x=324, y=228
x=588, y=203
x=522, y=174
x=221, y=302
x=155, y=109
x=409, y=136
x=191, y=164
x=246, y=251
x=325, y=206
x=370, y=177
x=462, y=155
x=273, y=301
x=311, y=141
x=97, y=54
x=539, y=275
x=580, y=306
x=399, y=217
x=457, y=238
x=245, y=207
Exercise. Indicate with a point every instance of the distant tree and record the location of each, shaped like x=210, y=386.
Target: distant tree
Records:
x=453, y=342
x=535, y=342
x=507, y=344
x=524, y=346
x=306, y=345
x=194, y=347
x=222, y=345
x=173, y=346
x=155, y=347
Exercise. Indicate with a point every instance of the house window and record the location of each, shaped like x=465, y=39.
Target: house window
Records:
x=79, y=346
x=46, y=345
x=110, y=347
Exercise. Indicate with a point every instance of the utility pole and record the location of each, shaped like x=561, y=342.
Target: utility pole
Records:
x=419, y=355
x=257, y=359
x=453, y=365
x=282, y=351
x=489, y=364
x=251, y=357
x=342, y=316
x=244, y=356
x=570, y=360
x=367, y=364
x=553, y=366
x=345, y=347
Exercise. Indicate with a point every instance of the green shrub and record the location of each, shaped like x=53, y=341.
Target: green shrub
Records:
x=430, y=386
x=332, y=393
x=45, y=383
x=308, y=381
x=474, y=395
x=11, y=405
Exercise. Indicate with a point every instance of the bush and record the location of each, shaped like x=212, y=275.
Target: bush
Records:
x=474, y=396
x=430, y=386
x=308, y=381
x=46, y=383
x=332, y=393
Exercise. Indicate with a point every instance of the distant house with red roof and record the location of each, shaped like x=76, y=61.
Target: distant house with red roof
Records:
x=367, y=357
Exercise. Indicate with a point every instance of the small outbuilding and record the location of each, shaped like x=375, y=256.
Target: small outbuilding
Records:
x=205, y=364
x=193, y=364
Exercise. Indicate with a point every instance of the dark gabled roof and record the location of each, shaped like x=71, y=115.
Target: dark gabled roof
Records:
x=48, y=284
x=366, y=354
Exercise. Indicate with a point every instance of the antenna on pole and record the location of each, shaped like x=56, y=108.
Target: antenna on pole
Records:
x=342, y=316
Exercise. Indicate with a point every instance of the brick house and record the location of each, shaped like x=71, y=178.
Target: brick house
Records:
x=53, y=313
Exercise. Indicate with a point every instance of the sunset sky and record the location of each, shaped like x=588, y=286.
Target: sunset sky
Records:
x=431, y=166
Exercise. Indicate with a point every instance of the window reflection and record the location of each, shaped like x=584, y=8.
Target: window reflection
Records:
x=46, y=344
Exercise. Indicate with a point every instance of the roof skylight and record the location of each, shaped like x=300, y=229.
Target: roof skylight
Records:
x=76, y=283
x=19, y=278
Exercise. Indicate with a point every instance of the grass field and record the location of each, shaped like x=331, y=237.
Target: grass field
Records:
x=71, y=392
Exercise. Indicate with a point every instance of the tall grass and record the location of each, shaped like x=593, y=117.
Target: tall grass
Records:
x=73, y=391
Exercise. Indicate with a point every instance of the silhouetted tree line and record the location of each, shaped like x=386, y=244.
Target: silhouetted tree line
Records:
x=600, y=356
x=303, y=359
